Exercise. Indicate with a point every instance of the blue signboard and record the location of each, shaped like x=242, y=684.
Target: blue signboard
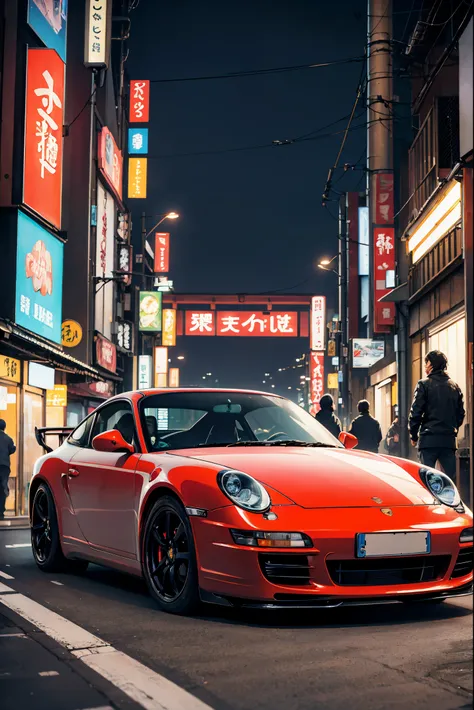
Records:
x=137, y=141
x=39, y=280
x=48, y=19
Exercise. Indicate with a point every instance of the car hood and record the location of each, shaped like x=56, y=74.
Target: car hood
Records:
x=321, y=478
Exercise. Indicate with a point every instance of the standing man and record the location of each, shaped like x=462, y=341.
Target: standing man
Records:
x=7, y=448
x=392, y=440
x=326, y=415
x=366, y=429
x=436, y=414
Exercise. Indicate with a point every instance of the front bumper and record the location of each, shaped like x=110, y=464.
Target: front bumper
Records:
x=233, y=575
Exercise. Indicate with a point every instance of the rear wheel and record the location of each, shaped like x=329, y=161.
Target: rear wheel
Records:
x=169, y=557
x=45, y=540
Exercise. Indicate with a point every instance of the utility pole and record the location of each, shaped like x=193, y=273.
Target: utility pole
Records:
x=143, y=231
x=343, y=283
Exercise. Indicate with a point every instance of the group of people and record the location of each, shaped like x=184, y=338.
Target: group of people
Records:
x=436, y=414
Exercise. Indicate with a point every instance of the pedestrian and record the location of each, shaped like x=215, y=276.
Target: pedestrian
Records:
x=326, y=415
x=436, y=414
x=366, y=429
x=7, y=448
x=392, y=439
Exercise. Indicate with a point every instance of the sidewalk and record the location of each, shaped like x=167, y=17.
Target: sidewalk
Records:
x=17, y=522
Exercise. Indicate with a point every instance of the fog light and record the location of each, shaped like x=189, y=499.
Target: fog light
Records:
x=257, y=538
x=466, y=535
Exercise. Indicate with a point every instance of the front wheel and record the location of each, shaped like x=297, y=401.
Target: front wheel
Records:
x=169, y=558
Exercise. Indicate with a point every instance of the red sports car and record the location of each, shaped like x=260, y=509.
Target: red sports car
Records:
x=243, y=499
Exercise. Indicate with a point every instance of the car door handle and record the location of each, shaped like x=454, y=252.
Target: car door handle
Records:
x=72, y=472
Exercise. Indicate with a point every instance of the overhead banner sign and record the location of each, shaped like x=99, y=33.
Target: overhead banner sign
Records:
x=318, y=323
x=39, y=279
x=200, y=323
x=150, y=311
x=49, y=21
x=139, y=101
x=384, y=268
x=235, y=323
x=162, y=253
x=97, y=33
x=168, y=336
x=111, y=161
x=316, y=374
x=384, y=211
x=137, y=178
x=138, y=141
x=366, y=352
x=43, y=155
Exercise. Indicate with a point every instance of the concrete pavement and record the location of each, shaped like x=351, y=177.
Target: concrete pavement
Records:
x=364, y=658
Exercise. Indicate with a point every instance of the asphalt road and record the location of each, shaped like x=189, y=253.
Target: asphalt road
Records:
x=385, y=658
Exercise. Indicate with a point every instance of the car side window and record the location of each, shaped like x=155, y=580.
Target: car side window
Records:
x=116, y=415
x=80, y=435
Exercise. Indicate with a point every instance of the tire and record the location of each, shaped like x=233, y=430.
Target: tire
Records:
x=45, y=542
x=169, y=558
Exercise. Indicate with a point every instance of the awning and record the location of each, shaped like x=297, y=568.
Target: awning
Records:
x=396, y=295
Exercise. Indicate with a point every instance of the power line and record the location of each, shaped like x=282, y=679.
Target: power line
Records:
x=258, y=72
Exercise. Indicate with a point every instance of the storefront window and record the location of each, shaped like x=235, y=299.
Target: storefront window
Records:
x=9, y=412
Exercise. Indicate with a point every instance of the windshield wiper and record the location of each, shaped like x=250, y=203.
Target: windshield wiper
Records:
x=282, y=442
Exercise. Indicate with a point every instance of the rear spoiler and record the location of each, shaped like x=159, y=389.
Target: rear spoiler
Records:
x=60, y=431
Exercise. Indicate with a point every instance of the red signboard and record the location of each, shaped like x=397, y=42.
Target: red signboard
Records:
x=353, y=290
x=200, y=323
x=139, y=101
x=42, y=180
x=384, y=198
x=249, y=323
x=318, y=322
x=384, y=264
x=162, y=253
x=316, y=373
x=105, y=353
x=111, y=161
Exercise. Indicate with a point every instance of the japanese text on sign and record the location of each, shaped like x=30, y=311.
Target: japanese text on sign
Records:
x=162, y=253
x=10, y=368
x=161, y=360
x=257, y=324
x=111, y=161
x=168, y=333
x=43, y=134
x=125, y=335
x=106, y=354
x=71, y=334
x=318, y=322
x=57, y=397
x=200, y=323
x=316, y=366
x=384, y=262
x=97, y=31
x=384, y=198
x=137, y=178
x=139, y=101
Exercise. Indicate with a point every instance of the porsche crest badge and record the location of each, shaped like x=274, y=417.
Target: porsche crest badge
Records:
x=387, y=511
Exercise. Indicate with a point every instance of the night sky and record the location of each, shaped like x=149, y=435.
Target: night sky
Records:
x=251, y=220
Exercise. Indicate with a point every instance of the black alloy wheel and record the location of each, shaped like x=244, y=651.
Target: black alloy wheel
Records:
x=169, y=559
x=45, y=541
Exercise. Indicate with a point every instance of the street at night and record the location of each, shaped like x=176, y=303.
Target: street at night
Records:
x=236, y=355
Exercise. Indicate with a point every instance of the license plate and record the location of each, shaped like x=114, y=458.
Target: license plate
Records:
x=392, y=544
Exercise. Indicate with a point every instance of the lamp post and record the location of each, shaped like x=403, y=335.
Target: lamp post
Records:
x=145, y=235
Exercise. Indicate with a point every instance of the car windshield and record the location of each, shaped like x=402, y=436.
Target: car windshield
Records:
x=188, y=420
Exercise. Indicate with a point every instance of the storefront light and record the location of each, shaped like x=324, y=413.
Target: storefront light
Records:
x=439, y=221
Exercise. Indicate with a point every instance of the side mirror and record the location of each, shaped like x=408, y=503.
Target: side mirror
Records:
x=347, y=440
x=111, y=441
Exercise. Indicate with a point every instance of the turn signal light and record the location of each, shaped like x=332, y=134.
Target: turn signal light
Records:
x=466, y=535
x=257, y=538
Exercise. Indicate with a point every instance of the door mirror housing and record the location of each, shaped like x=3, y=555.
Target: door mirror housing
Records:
x=348, y=440
x=112, y=441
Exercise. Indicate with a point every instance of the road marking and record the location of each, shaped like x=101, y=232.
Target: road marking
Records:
x=13, y=636
x=47, y=674
x=4, y=588
x=149, y=689
x=19, y=544
x=60, y=584
x=5, y=575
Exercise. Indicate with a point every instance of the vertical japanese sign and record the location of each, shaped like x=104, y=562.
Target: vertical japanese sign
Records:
x=318, y=322
x=145, y=369
x=138, y=141
x=316, y=367
x=149, y=316
x=42, y=164
x=137, y=178
x=162, y=253
x=139, y=101
x=384, y=199
x=174, y=377
x=161, y=366
x=111, y=161
x=104, y=261
x=384, y=265
x=97, y=34
x=48, y=19
x=105, y=353
x=168, y=336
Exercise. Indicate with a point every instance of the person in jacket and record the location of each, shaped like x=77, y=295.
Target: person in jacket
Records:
x=366, y=429
x=326, y=415
x=436, y=414
x=7, y=448
x=392, y=439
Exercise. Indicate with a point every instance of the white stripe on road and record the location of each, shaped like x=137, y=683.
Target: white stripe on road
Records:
x=149, y=689
x=48, y=674
x=20, y=544
x=60, y=584
x=5, y=575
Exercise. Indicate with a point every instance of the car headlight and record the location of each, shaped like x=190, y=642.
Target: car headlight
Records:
x=244, y=491
x=441, y=486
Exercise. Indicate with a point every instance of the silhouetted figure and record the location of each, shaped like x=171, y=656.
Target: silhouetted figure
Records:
x=366, y=428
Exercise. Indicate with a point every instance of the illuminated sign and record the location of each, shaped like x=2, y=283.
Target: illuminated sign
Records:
x=97, y=34
x=138, y=141
x=366, y=352
x=49, y=21
x=384, y=198
x=71, y=334
x=145, y=363
x=111, y=161
x=235, y=323
x=161, y=360
x=200, y=323
x=139, y=101
x=438, y=221
x=363, y=241
x=162, y=253
x=168, y=336
x=137, y=178
x=39, y=280
x=174, y=377
x=384, y=262
x=57, y=397
x=150, y=311
x=125, y=335
x=316, y=384
x=125, y=262
x=42, y=176
x=318, y=322
x=105, y=353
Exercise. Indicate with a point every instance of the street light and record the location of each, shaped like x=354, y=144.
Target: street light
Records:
x=169, y=215
x=324, y=264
